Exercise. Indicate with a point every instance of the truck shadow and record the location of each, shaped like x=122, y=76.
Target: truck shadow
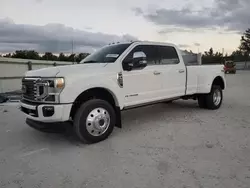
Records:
x=160, y=112
x=132, y=120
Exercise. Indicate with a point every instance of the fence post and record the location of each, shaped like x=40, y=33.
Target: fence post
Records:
x=29, y=65
x=1, y=87
x=199, y=59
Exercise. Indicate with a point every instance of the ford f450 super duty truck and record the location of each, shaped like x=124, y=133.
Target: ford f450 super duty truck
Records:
x=116, y=77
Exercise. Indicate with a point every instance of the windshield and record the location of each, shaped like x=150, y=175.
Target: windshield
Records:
x=107, y=54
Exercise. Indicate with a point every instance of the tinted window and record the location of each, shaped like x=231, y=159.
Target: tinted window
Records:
x=168, y=55
x=149, y=50
x=107, y=54
x=156, y=55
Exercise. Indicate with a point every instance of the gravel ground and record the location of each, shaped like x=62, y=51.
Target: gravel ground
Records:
x=167, y=145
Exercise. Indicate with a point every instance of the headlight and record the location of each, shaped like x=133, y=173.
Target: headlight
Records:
x=59, y=83
x=49, y=89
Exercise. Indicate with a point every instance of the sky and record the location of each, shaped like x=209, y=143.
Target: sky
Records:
x=84, y=26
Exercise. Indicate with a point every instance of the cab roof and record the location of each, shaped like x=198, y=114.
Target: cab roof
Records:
x=146, y=42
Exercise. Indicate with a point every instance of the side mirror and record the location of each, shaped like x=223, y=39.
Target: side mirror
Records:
x=138, y=61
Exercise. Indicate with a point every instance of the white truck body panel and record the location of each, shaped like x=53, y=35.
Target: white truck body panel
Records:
x=62, y=112
x=142, y=86
x=152, y=83
x=200, y=78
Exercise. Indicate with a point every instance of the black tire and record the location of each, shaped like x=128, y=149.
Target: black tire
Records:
x=202, y=101
x=3, y=99
x=209, y=98
x=82, y=113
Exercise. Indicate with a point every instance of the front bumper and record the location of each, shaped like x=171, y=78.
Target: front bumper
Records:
x=57, y=127
x=39, y=112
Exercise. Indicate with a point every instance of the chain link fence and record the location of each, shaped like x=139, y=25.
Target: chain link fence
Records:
x=243, y=65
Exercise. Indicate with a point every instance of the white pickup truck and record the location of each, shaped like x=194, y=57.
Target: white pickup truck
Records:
x=116, y=77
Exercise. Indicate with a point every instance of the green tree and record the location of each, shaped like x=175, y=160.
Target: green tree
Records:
x=62, y=57
x=245, y=45
x=19, y=54
x=49, y=56
x=7, y=55
x=72, y=57
x=26, y=54
x=210, y=52
x=80, y=57
x=245, y=42
x=209, y=57
x=32, y=55
x=238, y=55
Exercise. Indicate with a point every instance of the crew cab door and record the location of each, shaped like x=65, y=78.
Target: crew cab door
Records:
x=143, y=85
x=173, y=72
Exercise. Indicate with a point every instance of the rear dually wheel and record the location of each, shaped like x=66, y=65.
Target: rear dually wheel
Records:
x=212, y=100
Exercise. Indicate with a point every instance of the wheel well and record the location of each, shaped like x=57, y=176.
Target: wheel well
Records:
x=219, y=82
x=94, y=93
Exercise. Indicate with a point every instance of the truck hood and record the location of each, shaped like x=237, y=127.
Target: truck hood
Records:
x=90, y=68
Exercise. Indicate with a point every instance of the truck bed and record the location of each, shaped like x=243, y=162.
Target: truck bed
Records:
x=198, y=77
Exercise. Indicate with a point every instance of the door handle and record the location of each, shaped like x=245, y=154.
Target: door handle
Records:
x=157, y=73
x=181, y=71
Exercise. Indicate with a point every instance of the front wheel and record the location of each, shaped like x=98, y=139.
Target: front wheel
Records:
x=94, y=121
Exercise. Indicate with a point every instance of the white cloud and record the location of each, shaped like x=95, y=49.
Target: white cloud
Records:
x=232, y=15
x=215, y=23
x=52, y=38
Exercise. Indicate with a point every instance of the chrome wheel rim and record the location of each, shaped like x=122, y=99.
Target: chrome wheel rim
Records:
x=217, y=97
x=98, y=121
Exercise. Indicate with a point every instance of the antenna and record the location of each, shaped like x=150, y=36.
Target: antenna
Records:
x=73, y=49
x=72, y=46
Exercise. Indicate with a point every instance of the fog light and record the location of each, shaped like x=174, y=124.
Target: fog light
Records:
x=48, y=111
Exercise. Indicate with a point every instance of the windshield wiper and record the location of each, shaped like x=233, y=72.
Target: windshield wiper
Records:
x=90, y=61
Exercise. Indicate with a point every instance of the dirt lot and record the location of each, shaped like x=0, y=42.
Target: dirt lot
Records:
x=167, y=145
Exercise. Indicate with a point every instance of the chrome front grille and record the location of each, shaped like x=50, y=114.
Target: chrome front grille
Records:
x=39, y=90
x=29, y=88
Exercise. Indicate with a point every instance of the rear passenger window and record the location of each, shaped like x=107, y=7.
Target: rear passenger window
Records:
x=168, y=55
